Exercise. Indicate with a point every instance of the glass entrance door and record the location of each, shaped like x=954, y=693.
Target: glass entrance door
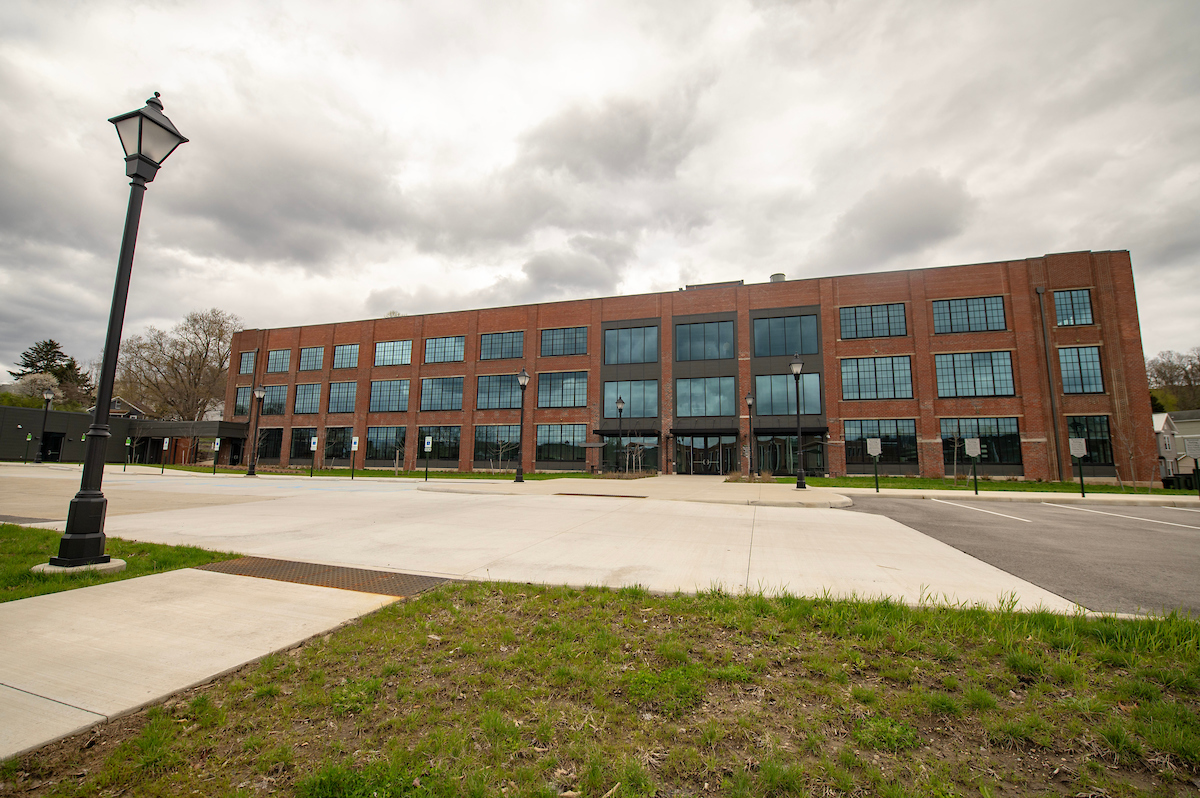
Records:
x=706, y=454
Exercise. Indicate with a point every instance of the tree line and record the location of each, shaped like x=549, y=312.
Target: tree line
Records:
x=1175, y=380
x=176, y=375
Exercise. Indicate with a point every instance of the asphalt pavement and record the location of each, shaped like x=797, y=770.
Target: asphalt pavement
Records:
x=1106, y=558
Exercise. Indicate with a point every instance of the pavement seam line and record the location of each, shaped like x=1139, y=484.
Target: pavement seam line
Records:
x=980, y=509
x=55, y=700
x=750, y=549
x=1118, y=515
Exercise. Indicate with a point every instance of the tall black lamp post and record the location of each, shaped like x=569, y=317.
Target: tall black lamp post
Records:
x=523, y=381
x=259, y=393
x=48, y=395
x=750, y=418
x=620, y=431
x=148, y=137
x=797, y=368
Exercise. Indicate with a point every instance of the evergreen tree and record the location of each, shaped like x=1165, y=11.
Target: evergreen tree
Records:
x=42, y=357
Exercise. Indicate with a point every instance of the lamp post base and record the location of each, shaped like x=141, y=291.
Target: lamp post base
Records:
x=83, y=542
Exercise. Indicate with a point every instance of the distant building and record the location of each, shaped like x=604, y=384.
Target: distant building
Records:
x=1021, y=354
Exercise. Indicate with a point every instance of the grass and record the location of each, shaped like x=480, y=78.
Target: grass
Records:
x=483, y=689
x=21, y=548
x=378, y=472
x=927, y=483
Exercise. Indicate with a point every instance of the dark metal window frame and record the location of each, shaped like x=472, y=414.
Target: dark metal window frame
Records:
x=778, y=336
x=311, y=358
x=246, y=363
x=621, y=345
x=279, y=361
x=873, y=321
x=999, y=438
x=345, y=356
x=561, y=443
x=972, y=314
x=311, y=397
x=898, y=437
x=274, y=400
x=342, y=397
x=1081, y=369
x=497, y=392
x=1073, y=307
x=564, y=341
x=635, y=406
x=959, y=374
x=441, y=393
x=562, y=389
x=769, y=388
x=389, y=396
x=502, y=345
x=446, y=349
x=393, y=353
x=716, y=341
x=724, y=392
x=887, y=378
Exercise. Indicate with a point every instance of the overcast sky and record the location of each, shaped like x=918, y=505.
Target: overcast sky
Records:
x=348, y=159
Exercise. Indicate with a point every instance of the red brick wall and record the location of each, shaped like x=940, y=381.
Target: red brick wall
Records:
x=1108, y=274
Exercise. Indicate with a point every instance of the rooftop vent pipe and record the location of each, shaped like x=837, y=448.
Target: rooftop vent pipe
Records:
x=778, y=277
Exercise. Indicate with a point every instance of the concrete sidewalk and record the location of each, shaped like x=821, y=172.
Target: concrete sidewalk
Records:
x=73, y=659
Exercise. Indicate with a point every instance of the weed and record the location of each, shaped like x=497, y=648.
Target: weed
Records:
x=1026, y=666
x=1124, y=747
x=736, y=674
x=355, y=696
x=883, y=733
x=673, y=691
x=942, y=704
x=863, y=695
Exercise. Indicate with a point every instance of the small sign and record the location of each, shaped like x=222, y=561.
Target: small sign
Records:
x=354, y=444
x=971, y=447
x=128, y=441
x=874, y=446
x=83, y=438
x=216, y=444
x=1078, y=447
x=166, y=444
x=429, y=443
x=312, y=443
x=1191, y=447
x=28, y=436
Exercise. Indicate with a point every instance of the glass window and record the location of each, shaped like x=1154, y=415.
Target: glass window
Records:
x=497, y=391
x=979, y=314
x=562, y=389
x=301, y=439
x=441, y=393
x=389, y=396
x=1072, y=308
x=631, y=345
x=999, y=440
x=706, y=396
x=308, y=399
x=877, y=378
x=1093, y=429
x=1081, y=369
x=898, y=439
x=246, y=366
x=786, y=335
x=311, y=358
x=564, y=341
x=498, y=443
x=498, y=346
x=775, y=394
x=393, y=353
x=275, y=400
x=561, y=442
x=445, y=442
x=384, y=443
x=974, y=374
x=630, y=453
x=712, y=340
x=241, y=403
x=641, y=398
x=873, y=321
x=341, y=397
x=270, y=443
x=278, y=360
x=444, y=350
x=337, y=442
x=345, y=356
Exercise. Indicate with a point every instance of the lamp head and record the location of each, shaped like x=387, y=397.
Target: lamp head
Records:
x=47, y=394
x=750, y=399
x=797, y=365
x=260, y=392
x=148, y=137
x=523, y=378
x=620, y=404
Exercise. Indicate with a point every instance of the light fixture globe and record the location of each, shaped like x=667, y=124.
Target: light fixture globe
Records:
x=148, y=137
x=620, y=404
x=523, y=378
x=260, y=392
x=750, y=400
x=797, y=365
x=48, y=394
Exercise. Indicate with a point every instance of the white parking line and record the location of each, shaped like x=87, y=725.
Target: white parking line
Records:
x=1117, y=515
x=1185, y=509
x=989, y=512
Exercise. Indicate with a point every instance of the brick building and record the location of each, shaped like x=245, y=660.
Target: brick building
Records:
x=1021, y=354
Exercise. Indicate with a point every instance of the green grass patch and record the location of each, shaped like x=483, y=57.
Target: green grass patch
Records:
x=544, y=691
x=21, y=548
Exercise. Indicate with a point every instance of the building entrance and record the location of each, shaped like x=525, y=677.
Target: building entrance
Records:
x=706, y=454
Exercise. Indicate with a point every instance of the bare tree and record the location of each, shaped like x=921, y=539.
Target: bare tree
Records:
x=1177, y=374
x=180, y=373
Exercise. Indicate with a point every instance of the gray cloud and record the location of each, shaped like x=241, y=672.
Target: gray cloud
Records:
x=900, y=216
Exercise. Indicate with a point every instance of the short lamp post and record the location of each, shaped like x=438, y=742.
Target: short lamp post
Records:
x=797, y=368
x=523, y=381
x=620, y=431
x=47, y=395
x=750, y=417
x=148, y=137
x=259, y=393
